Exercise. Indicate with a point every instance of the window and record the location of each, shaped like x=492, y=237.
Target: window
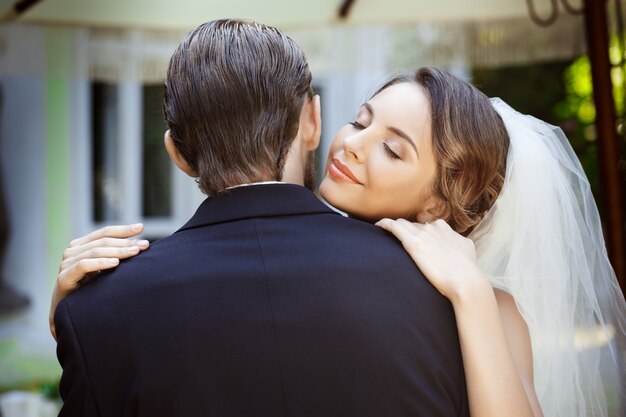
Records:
x=156, y=176
x=106, y=188
x=131, y=176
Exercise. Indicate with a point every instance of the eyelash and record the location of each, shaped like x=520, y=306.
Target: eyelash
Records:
x=390, y=153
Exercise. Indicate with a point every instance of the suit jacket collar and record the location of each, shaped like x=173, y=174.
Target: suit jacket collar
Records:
x=265, y=200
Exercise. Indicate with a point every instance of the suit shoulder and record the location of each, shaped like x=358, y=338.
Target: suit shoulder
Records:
x=364, y=236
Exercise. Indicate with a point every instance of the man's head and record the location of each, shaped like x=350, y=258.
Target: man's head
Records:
x=239, y=105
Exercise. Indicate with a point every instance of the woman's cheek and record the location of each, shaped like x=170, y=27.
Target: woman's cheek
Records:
x=332, y=151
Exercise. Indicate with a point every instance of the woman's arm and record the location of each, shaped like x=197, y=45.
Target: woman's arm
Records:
x=496, y=353
x=518, y=339
x=88, y=255
x=495, y=342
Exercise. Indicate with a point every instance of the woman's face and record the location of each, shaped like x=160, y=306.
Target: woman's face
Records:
x=382, y=164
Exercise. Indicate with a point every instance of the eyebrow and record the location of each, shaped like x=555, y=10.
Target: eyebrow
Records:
x=395, y=130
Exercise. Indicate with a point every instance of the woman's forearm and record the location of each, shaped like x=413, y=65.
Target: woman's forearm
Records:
x=494, y=385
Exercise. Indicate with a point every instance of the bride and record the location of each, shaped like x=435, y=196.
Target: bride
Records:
x=495, y=209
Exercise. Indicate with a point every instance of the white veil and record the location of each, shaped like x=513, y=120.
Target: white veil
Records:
x=542, y=242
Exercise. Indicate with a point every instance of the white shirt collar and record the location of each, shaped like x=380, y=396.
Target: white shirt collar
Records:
x=256, y=183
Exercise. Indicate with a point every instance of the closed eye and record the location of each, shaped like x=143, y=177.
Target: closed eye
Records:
x=357, y=125
x=390, y=153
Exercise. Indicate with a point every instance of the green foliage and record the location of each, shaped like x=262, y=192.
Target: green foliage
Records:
x=532, y=89
x=50, y=390
x=560, y=93
x=578, y=108
x=578, y=103
x=578, y=112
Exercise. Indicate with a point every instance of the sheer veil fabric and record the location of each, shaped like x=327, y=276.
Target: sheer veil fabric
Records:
x=542, y=243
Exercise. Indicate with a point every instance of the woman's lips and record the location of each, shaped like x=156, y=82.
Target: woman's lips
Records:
x=339, y=171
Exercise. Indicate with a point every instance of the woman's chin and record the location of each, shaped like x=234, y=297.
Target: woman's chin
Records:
x=335, y=200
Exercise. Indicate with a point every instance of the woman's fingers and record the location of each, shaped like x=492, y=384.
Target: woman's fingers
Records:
x=120, y=232
x=105, y=242
x=103, y=252
x=403, y=230
x=69, y=278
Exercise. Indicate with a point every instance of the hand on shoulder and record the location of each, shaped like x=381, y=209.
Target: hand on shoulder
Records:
x=86, y=256
x=446, y=258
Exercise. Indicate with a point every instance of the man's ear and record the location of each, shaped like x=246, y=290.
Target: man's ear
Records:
x=435, y=209
x=176, y=157
x=310, y=127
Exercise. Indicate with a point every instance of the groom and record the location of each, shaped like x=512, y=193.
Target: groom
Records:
x=266, y=303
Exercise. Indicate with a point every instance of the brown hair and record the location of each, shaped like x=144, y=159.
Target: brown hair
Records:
x=233, y=95
x=470, y=145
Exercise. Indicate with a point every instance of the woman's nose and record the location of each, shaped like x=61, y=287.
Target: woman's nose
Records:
x=354, y=145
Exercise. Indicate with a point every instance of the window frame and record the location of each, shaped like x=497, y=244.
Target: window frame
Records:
x=185, y=195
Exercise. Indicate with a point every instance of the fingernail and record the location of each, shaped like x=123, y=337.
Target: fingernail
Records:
x=136, y=226
x=114, y=261
x=133, y=249
x=143, y=243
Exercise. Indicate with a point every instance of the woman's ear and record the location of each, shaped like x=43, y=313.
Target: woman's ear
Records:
x=176, y=156
x=435, y=209
x=310, y=127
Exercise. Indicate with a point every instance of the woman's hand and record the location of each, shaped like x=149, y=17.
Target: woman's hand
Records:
x=447, y=259
x=85, y=257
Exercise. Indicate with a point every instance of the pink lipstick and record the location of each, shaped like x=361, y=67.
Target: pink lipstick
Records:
x=339, y=171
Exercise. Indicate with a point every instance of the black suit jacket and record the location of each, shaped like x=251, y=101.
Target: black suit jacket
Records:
x=266, y=303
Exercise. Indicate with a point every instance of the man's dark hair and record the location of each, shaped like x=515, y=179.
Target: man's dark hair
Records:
x=233, y=95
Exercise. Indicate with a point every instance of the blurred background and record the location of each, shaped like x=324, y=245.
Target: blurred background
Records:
x=81, y=126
